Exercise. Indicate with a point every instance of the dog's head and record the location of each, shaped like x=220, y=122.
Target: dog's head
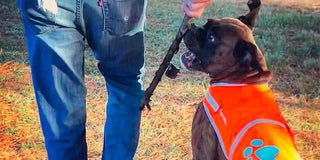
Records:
x=225, y=48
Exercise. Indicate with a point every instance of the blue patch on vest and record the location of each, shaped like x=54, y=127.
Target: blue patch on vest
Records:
x=267, y=153
x=263, y=153
x=257, y=143
x=247, y=152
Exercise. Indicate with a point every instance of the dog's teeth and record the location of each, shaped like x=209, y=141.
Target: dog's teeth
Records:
x=190, y=56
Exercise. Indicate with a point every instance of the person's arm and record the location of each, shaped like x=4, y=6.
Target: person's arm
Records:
x=194, y=8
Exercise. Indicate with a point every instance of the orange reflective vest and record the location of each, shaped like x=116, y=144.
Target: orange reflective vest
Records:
x=248, y=123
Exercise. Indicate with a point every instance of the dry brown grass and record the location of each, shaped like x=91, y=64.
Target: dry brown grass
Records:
x=20, y=135
x=165, y=130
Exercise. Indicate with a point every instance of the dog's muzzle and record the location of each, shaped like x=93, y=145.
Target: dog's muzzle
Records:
x=190, y=62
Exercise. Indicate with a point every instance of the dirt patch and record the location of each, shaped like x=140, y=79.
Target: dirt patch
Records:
x=308, y=4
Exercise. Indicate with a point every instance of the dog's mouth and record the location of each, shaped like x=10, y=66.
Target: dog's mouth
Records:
x=191, y=62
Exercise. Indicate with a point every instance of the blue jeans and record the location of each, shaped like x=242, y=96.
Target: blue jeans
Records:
x=56, y=43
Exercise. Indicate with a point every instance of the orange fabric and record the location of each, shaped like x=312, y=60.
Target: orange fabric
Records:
x=248, y=122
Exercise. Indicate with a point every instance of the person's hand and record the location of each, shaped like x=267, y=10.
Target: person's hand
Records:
x=194, y=8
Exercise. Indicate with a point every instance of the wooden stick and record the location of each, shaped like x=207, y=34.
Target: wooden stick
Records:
x=165, y=63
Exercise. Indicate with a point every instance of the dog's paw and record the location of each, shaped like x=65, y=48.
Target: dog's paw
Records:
x=260, y=151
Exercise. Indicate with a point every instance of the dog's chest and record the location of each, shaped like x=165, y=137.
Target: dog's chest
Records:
x=240, y=114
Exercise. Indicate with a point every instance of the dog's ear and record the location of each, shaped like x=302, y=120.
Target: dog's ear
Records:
x=246, y=54
x=251, y=18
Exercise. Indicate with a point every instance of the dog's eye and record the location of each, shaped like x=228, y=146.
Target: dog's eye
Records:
x=211, y=37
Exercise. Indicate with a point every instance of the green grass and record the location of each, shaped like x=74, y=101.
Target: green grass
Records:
x=289, y=38
x=10, y=131
x=2, y=78
x=12, y=42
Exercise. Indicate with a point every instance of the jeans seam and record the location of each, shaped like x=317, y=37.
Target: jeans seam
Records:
x=78, y=10
x=105, y=13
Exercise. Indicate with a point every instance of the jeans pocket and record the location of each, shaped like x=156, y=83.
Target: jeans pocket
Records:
x=39, y=19
x=122, y=16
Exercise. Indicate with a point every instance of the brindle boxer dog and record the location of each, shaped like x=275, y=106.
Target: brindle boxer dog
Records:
x=225, y=49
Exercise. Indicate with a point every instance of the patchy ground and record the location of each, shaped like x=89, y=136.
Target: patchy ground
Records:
x=310, y=4
x=165, y=131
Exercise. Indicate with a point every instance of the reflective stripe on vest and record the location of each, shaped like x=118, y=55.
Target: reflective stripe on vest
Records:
x=242, y=116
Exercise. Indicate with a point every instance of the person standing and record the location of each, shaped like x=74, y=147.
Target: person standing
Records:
x=55, y=32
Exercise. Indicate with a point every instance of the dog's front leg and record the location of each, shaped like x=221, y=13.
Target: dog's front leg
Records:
x=205, y=145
